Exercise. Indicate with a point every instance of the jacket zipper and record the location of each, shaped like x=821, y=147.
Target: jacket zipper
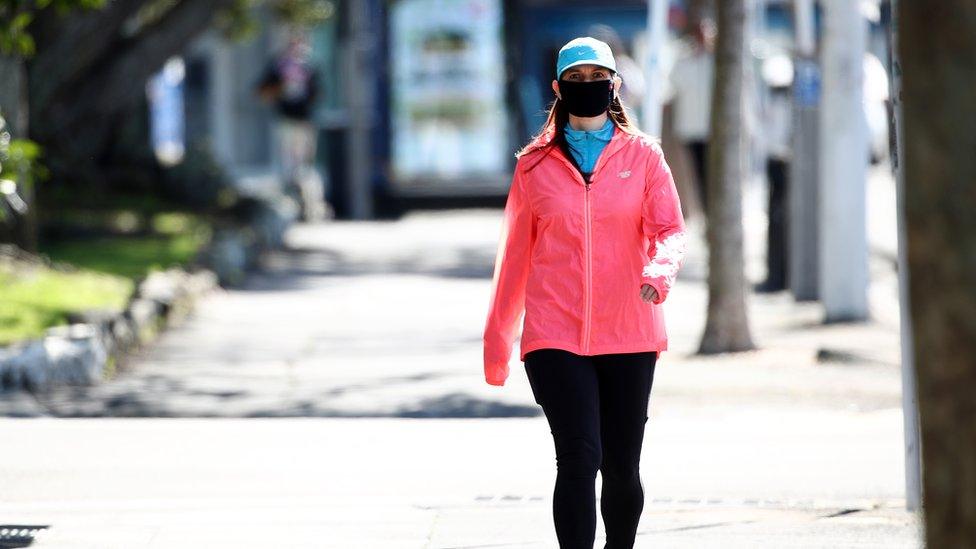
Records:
x=587, y=245
x=588, y=290
x=588, y=293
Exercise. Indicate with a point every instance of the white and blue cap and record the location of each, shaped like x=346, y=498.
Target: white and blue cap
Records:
x=582, y=51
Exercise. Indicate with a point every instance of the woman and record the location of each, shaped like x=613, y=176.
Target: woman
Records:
x=592, y=239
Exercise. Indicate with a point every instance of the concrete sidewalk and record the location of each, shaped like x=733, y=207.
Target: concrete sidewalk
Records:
x=801, y=479
x=356, y=357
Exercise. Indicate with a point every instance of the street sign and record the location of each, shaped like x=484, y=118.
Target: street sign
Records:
x=806, y=84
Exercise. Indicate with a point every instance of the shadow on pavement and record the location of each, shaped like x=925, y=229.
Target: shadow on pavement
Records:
x=168, y=397
x=292, y=268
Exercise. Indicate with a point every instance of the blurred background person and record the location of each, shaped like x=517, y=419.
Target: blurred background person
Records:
x=629, y=70
x=777, y=128
x=289, y=82
x=691, y=84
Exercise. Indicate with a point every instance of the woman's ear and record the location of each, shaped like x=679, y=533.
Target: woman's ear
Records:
x=555, y=88
x=617, y=82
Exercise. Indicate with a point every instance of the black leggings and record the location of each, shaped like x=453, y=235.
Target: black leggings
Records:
x=597, y=409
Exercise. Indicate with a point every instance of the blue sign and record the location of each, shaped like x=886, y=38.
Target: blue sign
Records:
x=166, y=115
x=806, y=84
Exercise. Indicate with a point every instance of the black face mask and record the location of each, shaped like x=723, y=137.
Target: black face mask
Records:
x=586, y=98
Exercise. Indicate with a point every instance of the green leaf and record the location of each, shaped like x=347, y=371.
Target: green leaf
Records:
x=20, y=21
x=25, y=45
x=24, y=149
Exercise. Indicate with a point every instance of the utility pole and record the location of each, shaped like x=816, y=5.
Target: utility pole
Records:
x=909, y=392
x=657, y=28
x=360, y=67
x=802, y=195
x=843, y=165
x=221, y=104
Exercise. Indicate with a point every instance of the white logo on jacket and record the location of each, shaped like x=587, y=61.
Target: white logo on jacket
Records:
x=624, y=174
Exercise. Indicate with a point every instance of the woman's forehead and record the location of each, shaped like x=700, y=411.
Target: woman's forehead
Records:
x=585, y=68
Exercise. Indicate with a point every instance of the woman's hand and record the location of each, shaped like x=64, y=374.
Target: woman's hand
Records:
x=648, y=293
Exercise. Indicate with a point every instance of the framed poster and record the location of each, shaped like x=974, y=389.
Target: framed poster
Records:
x=449, y=126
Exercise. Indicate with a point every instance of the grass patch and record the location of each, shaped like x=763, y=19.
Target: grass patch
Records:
x=176, y=238
x=130, y=257
x=34, y=299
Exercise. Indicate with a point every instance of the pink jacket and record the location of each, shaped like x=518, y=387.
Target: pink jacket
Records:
x=572, y=257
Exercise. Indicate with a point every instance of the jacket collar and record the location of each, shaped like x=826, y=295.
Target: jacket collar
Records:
x=539, y=148
x=575, y=137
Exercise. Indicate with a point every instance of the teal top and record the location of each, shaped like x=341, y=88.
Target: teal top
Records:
x=586, y=146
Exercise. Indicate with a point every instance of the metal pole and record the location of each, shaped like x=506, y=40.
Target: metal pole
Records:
x=361, y=105
x=909, y=395
x=843, y=165
x=221, y=103
x=802, y=252
x=657, y=15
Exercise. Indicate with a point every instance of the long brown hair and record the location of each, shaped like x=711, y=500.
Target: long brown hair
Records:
x=557, y=118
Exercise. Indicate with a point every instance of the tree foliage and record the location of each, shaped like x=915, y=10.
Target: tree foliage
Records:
x=17, y=15
x=235, y=19
x=238, y=20
x=19, y=167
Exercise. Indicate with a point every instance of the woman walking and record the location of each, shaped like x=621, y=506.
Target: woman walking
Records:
x=592, y=239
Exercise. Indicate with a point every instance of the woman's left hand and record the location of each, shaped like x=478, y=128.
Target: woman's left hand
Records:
x=648, y=293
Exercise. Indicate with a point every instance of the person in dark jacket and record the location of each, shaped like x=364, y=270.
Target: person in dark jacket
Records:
x=289, y=82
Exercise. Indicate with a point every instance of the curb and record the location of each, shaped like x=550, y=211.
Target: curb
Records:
x=89, y=348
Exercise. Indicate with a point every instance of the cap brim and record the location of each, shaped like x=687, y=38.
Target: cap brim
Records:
x=584, y=62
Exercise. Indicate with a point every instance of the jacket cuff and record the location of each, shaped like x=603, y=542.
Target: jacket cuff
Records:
x=495, y=381
x=659, y=287
x=496, y=373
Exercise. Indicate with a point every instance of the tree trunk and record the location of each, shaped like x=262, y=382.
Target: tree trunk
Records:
x=936, y=41
x=59, y=61
x=727, y=326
